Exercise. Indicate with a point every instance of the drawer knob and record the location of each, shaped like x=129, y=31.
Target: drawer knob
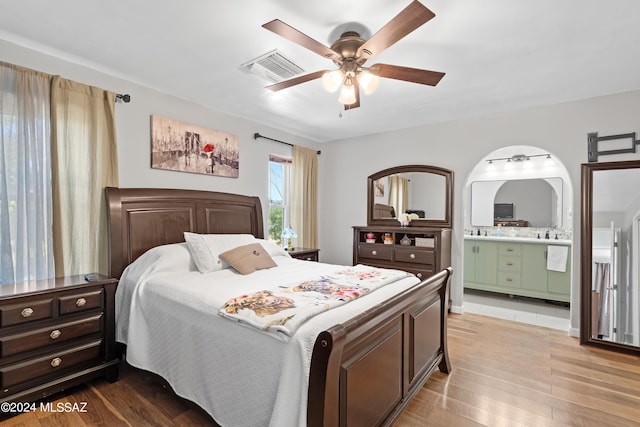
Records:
x=56, y=362
x=374, y=252
x=412, y=256
x=55, y=334
x=419, y=275
x=80, y=302
x=27, y=312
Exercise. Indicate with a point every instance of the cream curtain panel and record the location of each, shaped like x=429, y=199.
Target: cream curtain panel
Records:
x=304, y=196
x=84, y=159
x=26, y=245
x=398, y=193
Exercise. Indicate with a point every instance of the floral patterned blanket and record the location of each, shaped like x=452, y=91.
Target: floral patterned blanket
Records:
x=284, y=308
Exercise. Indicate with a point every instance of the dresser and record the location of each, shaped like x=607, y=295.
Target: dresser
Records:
x=55, y=334
x=422, y=251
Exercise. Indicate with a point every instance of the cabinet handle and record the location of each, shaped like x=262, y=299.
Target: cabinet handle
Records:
x=27, y=312
x=56, y=362
x=80, y=302
x=509, y=250
x=374, y=252
x=55, y=334
x=412, y=256
x=509, y=279
x=509, y=263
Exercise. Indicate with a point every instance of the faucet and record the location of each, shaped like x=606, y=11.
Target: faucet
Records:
x=546, y=235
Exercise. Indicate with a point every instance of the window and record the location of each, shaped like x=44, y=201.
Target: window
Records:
x=279, y=196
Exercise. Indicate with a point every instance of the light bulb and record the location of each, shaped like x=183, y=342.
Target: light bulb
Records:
x=347, y=94
x=331, y=80
x=368, y=81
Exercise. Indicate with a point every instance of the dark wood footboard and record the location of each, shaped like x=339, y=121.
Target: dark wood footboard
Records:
x=364, y=371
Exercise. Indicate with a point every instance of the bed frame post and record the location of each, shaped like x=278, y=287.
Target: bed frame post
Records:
x=323, y=402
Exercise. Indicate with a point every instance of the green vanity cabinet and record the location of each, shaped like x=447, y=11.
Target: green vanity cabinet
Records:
x=480, y=264
x=515, y=268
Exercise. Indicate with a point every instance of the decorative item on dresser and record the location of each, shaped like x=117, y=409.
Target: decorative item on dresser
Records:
x=55, y=334
x=306, y=254
x=428, y=252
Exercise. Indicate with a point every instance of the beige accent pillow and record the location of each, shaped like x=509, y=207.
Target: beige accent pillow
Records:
x=248, y=258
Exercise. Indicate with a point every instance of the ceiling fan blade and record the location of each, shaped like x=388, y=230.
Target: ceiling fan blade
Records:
x=296, y=80
x=290, y=33
x=357, y=103
x=412, y=17
x=413, y=75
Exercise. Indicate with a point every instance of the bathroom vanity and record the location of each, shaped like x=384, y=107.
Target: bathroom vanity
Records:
x=530, y=267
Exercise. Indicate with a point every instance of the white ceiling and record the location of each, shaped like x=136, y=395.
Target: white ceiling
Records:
x=498, y=55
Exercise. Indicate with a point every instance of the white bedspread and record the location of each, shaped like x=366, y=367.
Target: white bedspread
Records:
x=166, y=313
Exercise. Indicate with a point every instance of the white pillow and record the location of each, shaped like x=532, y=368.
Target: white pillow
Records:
x=273, y=249
x=206, y=248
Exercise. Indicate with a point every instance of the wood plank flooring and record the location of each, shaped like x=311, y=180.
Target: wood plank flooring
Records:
x=504, y=374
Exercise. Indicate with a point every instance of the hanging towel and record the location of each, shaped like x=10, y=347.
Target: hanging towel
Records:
x=557, y=258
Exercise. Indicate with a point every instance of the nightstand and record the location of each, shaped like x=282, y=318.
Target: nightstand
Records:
x=55, y=334
x=306, y=254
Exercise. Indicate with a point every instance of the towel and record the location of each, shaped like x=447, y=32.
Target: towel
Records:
x=557, y=258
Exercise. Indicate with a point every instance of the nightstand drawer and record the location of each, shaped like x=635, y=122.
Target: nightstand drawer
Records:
x=375, y=252
x=80, y=302
x=414, y=255
x=27, y=311
x=60, y=332
x=34, y=368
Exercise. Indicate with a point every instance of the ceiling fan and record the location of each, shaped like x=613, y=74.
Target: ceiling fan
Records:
x=351, y=51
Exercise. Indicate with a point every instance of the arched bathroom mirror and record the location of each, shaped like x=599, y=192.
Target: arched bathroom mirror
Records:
x=426, y=191
x=610, y=256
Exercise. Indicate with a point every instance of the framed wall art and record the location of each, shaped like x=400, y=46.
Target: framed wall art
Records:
x=183, y=147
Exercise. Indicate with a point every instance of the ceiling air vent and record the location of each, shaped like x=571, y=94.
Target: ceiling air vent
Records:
x=273, y=66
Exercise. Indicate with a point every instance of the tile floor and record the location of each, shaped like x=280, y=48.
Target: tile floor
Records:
x=519, y=309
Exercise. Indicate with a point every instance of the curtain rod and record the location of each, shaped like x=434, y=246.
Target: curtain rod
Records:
x=126, y=98
x=257, y=135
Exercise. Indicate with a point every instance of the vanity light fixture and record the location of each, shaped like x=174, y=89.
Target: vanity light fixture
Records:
x=518, y=158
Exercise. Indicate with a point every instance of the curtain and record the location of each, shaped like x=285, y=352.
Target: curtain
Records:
x=84, y=157
x=304, y=196
x=602, y=284
x=398, y=193
x=26, y=246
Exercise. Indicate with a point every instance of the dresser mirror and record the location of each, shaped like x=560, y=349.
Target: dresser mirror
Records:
x=610, y=248
x=421, y=190
x=534, y=202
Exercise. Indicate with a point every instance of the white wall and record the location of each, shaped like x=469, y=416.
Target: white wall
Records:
x=133, y=124
x=560, y=129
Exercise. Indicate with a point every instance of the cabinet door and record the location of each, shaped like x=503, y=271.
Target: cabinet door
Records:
x=560, y=282
x=469, y=261
x=487, y=262
x=534, y=267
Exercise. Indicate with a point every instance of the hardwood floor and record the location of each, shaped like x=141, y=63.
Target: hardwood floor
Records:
x=504, y=374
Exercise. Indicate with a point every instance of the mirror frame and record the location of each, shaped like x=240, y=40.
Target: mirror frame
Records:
x=585, y=255
x=448, y=214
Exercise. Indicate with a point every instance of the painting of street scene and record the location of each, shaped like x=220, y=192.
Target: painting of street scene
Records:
x=179, y=146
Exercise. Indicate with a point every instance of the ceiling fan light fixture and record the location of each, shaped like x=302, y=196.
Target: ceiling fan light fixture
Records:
x=369, y=81
x=347, y=94
x=331, y=80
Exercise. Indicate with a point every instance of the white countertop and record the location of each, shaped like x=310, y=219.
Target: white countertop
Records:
x=520, y=240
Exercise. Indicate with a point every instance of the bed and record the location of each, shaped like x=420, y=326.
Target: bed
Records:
x=356, y=364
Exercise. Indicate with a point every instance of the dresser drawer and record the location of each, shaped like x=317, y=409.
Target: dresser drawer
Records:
x=414, y=255
x=509, y=280
x=375, y=252
x=26, y=311
x=509, y=263
x=80, y=302
x=60, y=332
x=38, y=367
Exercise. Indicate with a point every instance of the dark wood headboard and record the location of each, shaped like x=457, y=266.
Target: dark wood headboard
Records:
x=142, y=218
